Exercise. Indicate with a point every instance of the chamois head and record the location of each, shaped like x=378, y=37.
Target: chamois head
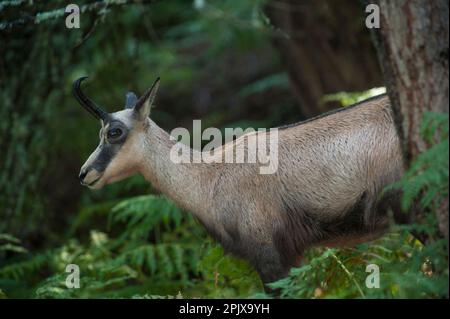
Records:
x=117, y=155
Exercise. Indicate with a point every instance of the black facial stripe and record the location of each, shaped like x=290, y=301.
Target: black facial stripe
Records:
x=109, y=148
x=106, y=155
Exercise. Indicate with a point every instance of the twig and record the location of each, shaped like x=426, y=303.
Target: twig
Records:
x=57, y=13
x=349, y=274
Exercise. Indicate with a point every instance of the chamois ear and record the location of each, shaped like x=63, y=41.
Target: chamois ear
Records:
x=145, y=102
x=130, y=100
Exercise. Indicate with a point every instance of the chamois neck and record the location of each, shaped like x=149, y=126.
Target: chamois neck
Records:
x=187, y=184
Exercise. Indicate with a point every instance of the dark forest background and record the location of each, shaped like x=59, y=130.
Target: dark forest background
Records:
x=230, y=63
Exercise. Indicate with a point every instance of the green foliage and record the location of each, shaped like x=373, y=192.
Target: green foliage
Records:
x=428, y=174
x=265, y=83
x=156, y=251
x=9, y=243
x=408, y=269
x=349, y=98
x=225, y=276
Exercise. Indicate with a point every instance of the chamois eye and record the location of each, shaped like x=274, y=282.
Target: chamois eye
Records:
x=114, y=133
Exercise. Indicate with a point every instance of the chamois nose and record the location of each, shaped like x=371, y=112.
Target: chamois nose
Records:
x=82, y=175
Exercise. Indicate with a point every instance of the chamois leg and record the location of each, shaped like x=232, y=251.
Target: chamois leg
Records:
x=391, y=201
x=412, y=216
x=270, y=268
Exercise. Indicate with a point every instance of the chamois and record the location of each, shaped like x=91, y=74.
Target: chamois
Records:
x=327, y=189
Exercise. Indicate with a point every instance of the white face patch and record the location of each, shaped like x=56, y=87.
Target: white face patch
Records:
x=125, y=116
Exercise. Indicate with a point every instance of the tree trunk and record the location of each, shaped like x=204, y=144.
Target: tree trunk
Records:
x=412, y=44
x=326, y=49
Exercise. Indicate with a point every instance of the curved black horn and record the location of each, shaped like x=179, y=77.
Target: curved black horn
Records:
x=87, y=103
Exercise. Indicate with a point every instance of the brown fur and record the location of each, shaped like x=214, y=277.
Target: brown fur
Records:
x=327, y=190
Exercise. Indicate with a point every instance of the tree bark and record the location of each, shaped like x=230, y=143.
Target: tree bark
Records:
x=326, y=49
x=413, y=48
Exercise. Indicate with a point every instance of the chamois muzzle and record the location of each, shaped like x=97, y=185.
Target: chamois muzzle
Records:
x=86, y=102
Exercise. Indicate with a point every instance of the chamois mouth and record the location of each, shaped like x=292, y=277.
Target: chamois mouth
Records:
x=91, y=178
x=91, y=184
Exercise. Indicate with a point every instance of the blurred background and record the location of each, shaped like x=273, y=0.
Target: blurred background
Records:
x=256, y=63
